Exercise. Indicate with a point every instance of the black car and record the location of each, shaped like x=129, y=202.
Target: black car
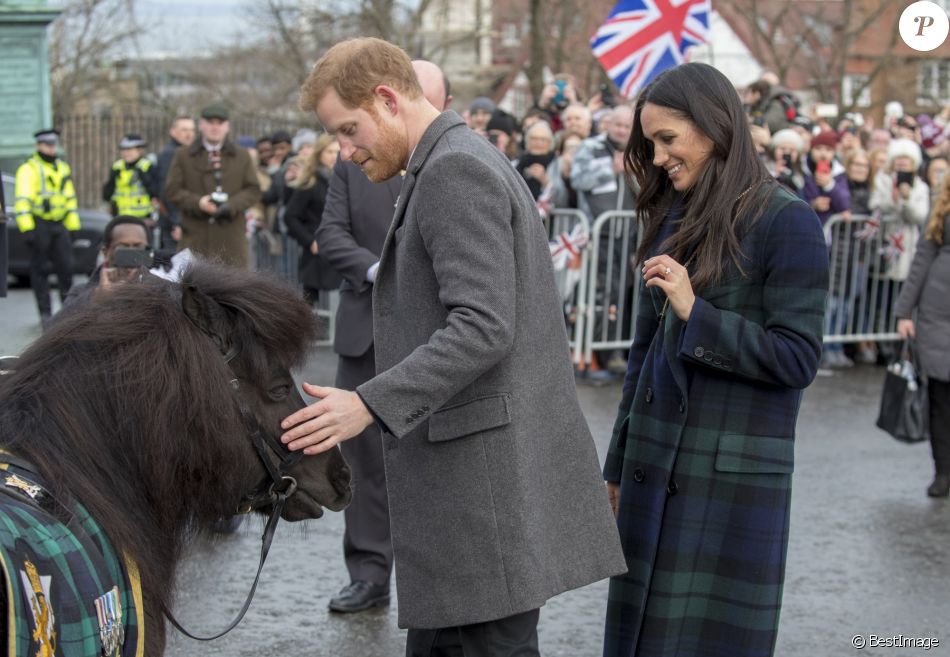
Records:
x=86, y=241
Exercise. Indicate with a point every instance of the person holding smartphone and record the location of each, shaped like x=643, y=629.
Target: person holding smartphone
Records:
x=903, y=200
x=125, y=255
x=825, y=182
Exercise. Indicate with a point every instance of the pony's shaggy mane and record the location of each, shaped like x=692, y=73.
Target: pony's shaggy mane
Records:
x=125, y=405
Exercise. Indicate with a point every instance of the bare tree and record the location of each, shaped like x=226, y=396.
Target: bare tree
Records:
x=812, y=39
x=85, y=34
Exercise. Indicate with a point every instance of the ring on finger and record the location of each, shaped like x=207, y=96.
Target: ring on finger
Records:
x=668, y=271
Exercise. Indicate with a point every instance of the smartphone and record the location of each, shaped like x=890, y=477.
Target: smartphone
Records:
x=559, y=98
x=824, y=166
x=131, y=257
x=905, y=177
x=787, y=159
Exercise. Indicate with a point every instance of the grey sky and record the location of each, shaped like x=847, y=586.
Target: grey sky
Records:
x=187, y=26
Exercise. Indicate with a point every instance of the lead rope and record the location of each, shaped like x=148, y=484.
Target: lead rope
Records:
x=266, y=540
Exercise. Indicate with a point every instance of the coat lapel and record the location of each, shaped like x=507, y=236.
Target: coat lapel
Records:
x=444, y=122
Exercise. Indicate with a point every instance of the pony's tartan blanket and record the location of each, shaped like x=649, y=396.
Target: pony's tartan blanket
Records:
x=72, y=596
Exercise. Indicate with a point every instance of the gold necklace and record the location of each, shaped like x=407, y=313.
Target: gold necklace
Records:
x=666, y=302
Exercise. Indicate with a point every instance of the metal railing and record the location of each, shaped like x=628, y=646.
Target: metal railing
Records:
x=600, y=293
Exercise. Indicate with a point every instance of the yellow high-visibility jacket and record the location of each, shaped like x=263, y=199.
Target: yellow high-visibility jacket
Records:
x=129, y=188
x=45, y=191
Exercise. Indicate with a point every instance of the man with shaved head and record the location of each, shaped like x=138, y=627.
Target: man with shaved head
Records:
x=351, y=234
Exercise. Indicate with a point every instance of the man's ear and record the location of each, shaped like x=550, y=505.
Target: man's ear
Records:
x=208, y=315
x=389, y=97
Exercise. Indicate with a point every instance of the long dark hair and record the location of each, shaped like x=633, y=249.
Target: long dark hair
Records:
x=727, y=196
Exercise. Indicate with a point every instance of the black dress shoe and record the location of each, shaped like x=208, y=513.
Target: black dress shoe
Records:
x=940, y=486
x=359, y=596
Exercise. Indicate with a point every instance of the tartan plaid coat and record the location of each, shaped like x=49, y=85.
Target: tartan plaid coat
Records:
x=702, y=448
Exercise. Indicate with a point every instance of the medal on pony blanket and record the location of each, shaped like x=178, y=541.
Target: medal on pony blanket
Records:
x=111, y=629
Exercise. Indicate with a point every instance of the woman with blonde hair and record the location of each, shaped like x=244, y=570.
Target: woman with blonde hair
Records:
x=926, y=293
x=303, y=214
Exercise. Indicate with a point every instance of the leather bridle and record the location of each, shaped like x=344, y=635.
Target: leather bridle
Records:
x=273, y=490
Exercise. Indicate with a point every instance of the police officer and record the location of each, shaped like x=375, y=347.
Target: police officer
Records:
x=132, y=186
x=46, y=214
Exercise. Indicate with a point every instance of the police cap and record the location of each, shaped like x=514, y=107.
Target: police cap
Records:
x=50, y=137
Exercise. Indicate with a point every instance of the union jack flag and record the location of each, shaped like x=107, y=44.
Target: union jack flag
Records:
x=642, y=38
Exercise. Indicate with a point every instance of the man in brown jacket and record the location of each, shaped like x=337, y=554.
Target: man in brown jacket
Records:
x=212, y=183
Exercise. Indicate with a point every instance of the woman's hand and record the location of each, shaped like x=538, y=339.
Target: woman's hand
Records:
x=905, y=329
x=670, y=276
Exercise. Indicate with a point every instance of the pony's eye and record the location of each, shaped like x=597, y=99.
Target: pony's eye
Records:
x=279, y=393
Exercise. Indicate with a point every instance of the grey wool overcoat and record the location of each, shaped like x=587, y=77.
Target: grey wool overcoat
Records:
x=496, y=500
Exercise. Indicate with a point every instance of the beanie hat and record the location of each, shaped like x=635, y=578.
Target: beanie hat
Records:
x=903, y=148
x=789, y=139
x=303, y=137
x=482, y=103
x=825, y=138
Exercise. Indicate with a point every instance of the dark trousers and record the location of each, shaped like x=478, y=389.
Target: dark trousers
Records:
x=367, y=543
x=512, y=636
x=51, y=243
x=939, y=393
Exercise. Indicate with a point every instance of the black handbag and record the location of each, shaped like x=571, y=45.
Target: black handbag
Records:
x=905, y=412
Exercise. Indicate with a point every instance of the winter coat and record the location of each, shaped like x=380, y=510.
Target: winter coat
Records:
x=599, y=188
x=190, y=177
x=302, y=216
x=927, y=290
x=837, y=190
x=703, y=444
x=495, y=496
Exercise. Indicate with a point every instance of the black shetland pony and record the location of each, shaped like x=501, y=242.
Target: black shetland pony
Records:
x=137, y=408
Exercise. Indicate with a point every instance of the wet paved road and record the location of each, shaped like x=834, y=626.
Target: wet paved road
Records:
x=869, y=553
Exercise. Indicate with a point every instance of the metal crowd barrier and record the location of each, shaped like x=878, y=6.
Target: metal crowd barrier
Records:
x=600, y=295
x=612, y=285
x=571, y=279
x=864, y=278
x=863, y=281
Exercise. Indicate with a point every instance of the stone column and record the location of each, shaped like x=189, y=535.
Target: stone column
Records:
x=25, y=101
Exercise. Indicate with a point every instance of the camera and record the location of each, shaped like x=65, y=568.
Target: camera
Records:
x=758, y=120
x=787, y=159
x=607, y=96
x=219, y=197
x=131, y=257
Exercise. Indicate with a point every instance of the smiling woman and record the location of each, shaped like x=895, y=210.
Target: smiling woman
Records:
x=728, y=332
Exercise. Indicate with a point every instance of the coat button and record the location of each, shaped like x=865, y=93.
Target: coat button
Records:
x=698, y=352
x=649, y=395
x=672, y=488
x=717, y=361
x=707, y=357
x=410, y=420
x=682, y=405
x=638, y=476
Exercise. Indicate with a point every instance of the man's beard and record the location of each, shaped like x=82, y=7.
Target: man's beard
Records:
x=388, y=156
